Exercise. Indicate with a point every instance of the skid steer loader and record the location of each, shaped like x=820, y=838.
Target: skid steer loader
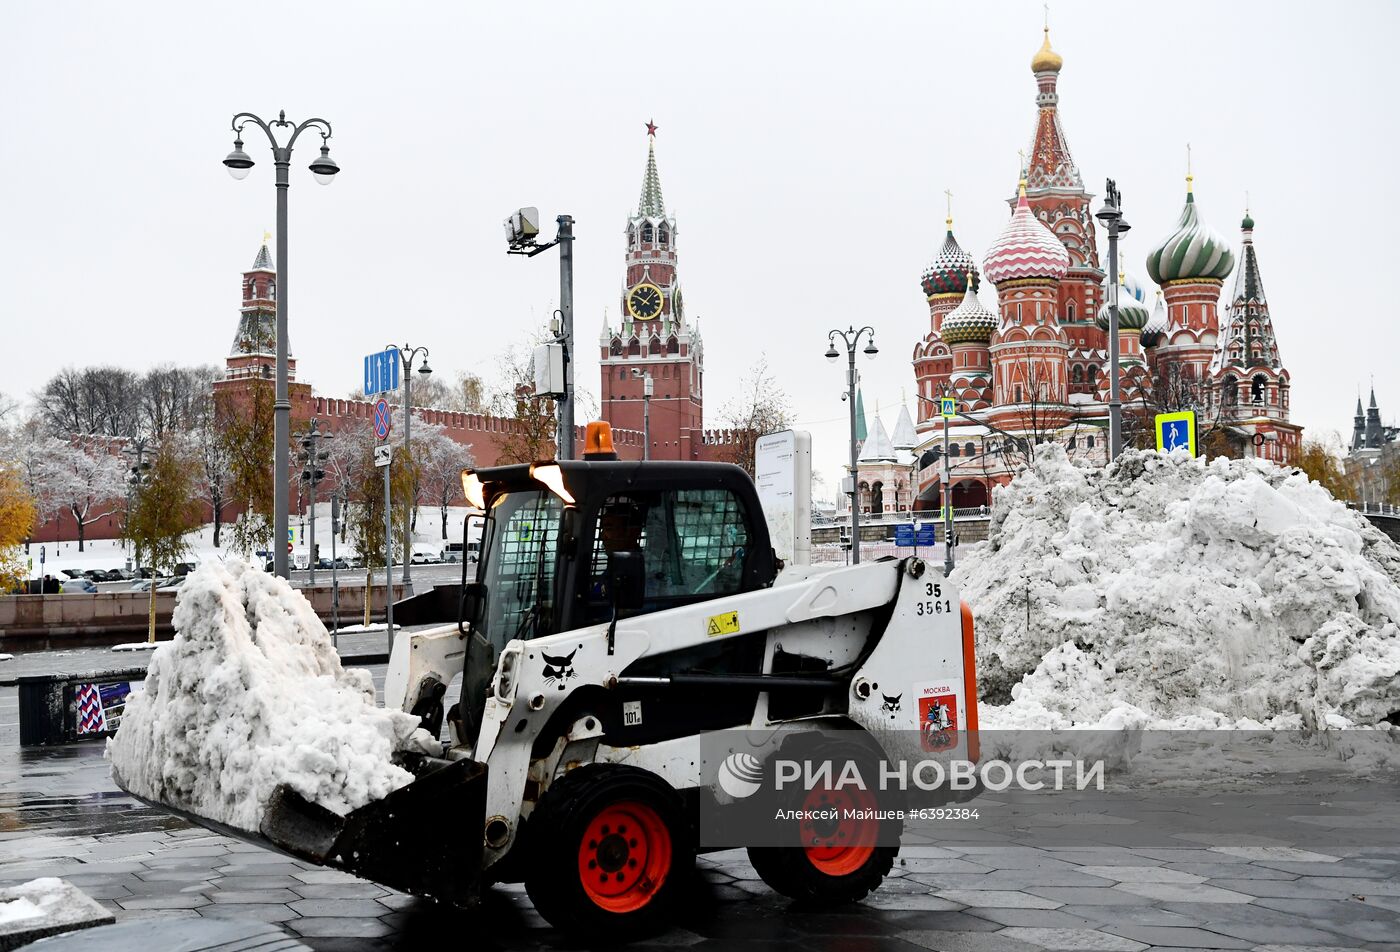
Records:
x=619, y=613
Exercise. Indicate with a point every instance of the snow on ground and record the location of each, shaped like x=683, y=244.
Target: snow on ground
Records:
x=112, y=554
x=33, y=899
x=248, y=695
x=1164, y=591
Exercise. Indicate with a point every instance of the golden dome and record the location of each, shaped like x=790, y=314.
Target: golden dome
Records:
x=1046, y=58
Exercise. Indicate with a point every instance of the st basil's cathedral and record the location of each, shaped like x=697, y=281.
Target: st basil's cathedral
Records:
x=1033, y=367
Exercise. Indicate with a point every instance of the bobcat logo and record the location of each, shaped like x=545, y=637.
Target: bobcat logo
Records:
x=557, y=668
x=892, y=704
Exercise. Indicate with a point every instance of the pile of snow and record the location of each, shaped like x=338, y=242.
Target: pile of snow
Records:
x=1164, y=591
x=31, y=900
x=250, y=694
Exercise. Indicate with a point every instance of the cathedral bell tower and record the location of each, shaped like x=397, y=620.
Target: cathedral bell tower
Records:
x=654, y=340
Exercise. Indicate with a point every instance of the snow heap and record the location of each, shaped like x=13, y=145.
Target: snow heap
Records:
x=31, y=900
x=1165, y=591
x=248, y=695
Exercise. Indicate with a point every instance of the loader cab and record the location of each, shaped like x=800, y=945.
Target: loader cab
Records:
x=638, y=536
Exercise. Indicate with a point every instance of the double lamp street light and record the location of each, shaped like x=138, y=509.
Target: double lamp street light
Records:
x=851, y=337
x=324, y=168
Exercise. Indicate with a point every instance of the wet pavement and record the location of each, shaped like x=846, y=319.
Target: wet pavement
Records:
x=61, y=815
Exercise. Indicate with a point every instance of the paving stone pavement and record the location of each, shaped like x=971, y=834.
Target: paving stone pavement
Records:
x=60, y=815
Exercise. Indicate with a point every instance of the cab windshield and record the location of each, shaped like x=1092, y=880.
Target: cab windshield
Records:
x=520, y=546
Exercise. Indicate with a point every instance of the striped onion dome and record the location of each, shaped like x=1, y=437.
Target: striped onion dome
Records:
x=970, y=322
x=1155, y=331
x=1026, y=249
x=947, y=273
x=1193, y=251
x=1132, y=310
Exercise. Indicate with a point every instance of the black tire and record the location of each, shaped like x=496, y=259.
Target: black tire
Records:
x=802, y=870
x=581, y=826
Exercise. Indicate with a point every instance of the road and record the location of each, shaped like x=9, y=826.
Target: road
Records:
x=1019, y=887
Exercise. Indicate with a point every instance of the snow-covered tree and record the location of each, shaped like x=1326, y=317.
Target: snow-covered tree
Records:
x=83, y=479
x=442, y=460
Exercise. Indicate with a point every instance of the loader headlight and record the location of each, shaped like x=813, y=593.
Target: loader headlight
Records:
x=553, y=478
x=473, y=489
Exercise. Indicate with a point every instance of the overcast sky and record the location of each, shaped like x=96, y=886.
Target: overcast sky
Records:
x=803, y=147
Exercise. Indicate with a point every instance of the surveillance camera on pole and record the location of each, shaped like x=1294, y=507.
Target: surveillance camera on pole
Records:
x=522, y=227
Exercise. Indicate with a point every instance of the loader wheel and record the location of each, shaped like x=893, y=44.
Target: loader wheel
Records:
x=831, y=861
x=609, y=852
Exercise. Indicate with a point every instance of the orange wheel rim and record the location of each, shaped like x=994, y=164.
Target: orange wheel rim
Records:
x=624, y=856
x=841, y=844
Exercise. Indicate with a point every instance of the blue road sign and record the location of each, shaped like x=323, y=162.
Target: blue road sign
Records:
x=382, y=372
x=904, y=534
x=948, y=407
x=382, y=419
x=1176, y=431
x=925, y=534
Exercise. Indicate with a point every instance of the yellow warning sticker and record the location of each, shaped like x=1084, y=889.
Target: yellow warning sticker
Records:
x=726, y=624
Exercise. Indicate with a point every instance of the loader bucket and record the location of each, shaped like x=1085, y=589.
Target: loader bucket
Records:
x=424, y=838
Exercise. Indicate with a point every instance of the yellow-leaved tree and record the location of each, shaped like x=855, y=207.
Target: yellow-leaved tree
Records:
x=165, y=509
x=17, y=515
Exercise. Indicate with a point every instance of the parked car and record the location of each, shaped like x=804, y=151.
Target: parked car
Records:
x=95, y=575
x=170, y=584
x=140, y=585
x=122, y=575
x=78, y=586
x=72, y=573
x=183, y=568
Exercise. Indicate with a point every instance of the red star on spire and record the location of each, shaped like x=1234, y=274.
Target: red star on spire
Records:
x=651, y=128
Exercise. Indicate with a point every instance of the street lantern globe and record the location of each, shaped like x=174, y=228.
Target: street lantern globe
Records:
x=831, y=353
x=238, y=162
x=870, y=349
x=425, y=369
x=325, y=167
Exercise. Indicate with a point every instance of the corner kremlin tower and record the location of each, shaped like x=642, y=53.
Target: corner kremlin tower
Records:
x=1034, y=366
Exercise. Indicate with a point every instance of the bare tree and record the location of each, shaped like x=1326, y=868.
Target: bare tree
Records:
x=173, y=398
x=532, y=436
x=761, y=406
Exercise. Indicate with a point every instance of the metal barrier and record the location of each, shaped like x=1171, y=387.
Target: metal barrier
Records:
x=62, y=708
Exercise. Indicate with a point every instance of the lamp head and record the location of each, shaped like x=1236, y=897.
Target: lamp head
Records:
x=831, y=353
x=238, y=162
x=870, y=349
x=425, y=370
x=325, y=167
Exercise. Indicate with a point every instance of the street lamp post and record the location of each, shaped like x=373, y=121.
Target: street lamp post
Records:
x=137, y=449
x=313, y=456
x=1112, y=215
x=324, y=168
x=407, y=354
x=851, y=337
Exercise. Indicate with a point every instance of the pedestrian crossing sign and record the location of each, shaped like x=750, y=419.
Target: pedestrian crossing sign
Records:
x=948, y=407
x=1177, y=431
